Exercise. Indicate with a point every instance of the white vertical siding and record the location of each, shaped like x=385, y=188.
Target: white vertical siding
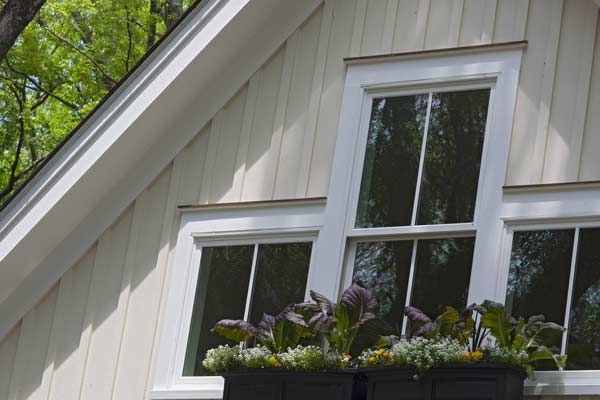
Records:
x=93, y=336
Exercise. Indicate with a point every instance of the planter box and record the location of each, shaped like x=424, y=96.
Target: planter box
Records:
x=457, y=381
x=290, y=385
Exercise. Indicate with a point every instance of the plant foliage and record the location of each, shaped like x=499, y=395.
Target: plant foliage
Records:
x=471, y=326
x=276, y=333
x=337, y=326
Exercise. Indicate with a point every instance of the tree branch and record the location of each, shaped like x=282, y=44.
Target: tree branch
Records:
x=14, y=17
x=81, y=52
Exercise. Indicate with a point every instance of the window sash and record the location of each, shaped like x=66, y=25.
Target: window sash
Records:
x=254, y=240
x=528, y=227
x=359, y=158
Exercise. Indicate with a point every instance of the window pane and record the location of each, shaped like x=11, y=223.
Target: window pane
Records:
x=538, y=278
x=391, y=162
x=220, y=293
x=281, y=273
x=442, y=274
x=453, y=157
x=583, y=348
x=383, y=267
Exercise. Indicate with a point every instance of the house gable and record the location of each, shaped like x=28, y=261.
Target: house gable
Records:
x=273, y=139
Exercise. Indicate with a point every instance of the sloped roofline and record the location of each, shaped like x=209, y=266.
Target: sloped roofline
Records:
x=130, y=138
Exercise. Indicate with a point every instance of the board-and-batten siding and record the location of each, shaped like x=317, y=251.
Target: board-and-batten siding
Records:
x=93, y=335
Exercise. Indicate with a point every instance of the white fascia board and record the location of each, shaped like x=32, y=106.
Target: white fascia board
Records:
x=131, y=139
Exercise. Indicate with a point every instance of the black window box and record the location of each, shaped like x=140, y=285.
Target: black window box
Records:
x=464, y=381
x=480, y=381
x=268, y=384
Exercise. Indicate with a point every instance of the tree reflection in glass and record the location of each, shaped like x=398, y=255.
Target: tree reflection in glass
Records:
x=220, y=293
x=281, y=273
x=383, y=267
x=391, y=163
x=583, y=348
x=538, y=278
x=442, y=274
x=453, y=157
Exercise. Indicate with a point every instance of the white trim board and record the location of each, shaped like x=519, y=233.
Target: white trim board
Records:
x=84, y=189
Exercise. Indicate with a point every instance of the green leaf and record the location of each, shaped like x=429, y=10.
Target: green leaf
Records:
x=236, y=330
x=498, y=321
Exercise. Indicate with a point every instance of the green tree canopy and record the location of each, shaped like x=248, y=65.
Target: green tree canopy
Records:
x=62, y=65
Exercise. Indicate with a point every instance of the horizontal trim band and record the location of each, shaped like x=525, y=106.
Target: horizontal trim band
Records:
x=254, y=204
x=521, y=44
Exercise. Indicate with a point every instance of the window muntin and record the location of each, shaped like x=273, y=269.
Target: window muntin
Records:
x=426, y=273
x=555, y=272
x=422, y=159
x=241, y=282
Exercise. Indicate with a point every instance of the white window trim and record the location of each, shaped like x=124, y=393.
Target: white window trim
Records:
x=572, y=206
x=265, y=222
x=496, y=68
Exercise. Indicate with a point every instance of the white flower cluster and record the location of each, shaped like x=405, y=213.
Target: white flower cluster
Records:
x=301, y=358
x=222, y=358
x=308, y=358
x=423, y=354
x=255, y=357
x=506, y=355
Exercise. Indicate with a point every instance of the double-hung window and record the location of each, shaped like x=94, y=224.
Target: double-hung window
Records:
x=421, y=168
x=231, y=262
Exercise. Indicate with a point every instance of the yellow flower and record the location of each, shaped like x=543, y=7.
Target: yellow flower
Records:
x=476, y=355
x=347, y=357
x=379, y=352
x=372, y=360
x=273, y=361
x=386, y=354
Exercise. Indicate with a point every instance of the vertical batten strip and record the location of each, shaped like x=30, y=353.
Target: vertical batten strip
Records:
x=247, y=121
x=283, y=100
x=142, y=311
x=32, y=349
x=589, y=168
x=511, y=20
x=290, y=154
x=71, y=331
x=314, y=104
x=331, y=99
x=411, y=25
x=359, y=27
x=8, y=352
x=224, y=169
x=106, y=309
x=216, y=129
x=477, y=23
x=532, y=113
x=389, y=26
x=570, y=93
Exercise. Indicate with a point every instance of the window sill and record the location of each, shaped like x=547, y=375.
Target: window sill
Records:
x=564, y=383
x=214, y=392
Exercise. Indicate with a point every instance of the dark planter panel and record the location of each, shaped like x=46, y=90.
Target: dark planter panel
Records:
x=288, y=385
x=476, y=382
x=452, y=382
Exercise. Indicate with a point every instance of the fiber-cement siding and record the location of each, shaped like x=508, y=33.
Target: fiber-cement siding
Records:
x=94, y=334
